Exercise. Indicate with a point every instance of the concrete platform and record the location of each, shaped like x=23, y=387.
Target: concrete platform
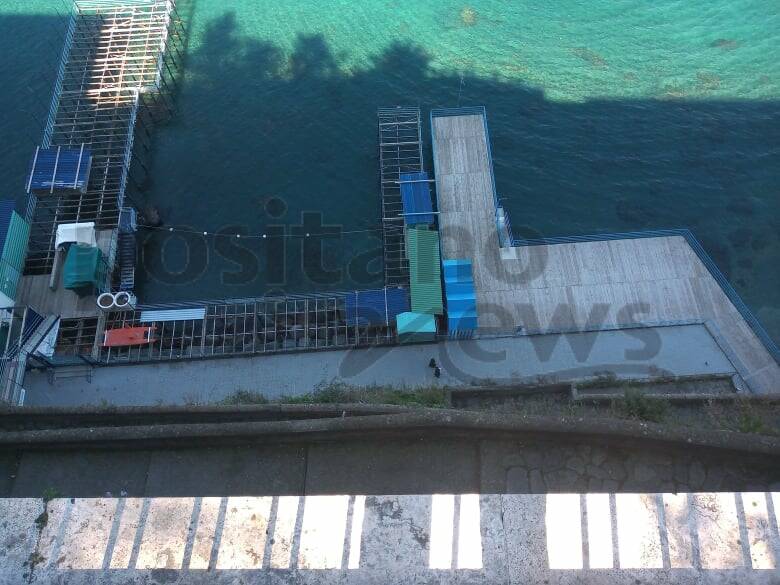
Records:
x=578, y=285
x=680, y=350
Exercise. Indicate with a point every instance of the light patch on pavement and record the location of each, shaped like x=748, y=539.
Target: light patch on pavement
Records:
x=85, y=531
x=244, y=533
x=563, y=520
x=469, y=533
x=678, y=530
x=599, y=531
x=718, y=530
x=689, y=538
x=284, y=531
x=165, y=533
x=759, y=531
x=129, y=522
x=205, y=533
x=356, y=531
x=639, y=538
x=442, y=527
x=322, y=534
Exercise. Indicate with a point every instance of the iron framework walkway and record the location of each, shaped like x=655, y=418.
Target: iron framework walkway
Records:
x=400, y=151
x=116, y=71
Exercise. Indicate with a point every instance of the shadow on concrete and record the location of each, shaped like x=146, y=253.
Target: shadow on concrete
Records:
x=418, y=463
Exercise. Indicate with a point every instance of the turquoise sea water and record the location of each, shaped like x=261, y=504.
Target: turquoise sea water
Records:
x=610, y=115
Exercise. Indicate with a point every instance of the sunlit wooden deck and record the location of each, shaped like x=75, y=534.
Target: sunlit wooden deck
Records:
x=577, y=286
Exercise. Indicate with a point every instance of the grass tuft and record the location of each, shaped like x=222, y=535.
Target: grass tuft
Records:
x=637, y=405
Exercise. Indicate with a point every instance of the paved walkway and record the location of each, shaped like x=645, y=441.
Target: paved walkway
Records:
x=681, y=350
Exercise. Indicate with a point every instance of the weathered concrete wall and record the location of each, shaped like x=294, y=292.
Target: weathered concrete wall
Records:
x=414, y=509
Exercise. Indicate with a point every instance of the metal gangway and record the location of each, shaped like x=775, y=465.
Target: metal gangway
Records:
x=400, y=151
x=116, y=77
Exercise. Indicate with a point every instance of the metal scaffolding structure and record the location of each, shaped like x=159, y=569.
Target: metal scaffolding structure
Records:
x=117, y=71
x=219, y=329
x=400, y=151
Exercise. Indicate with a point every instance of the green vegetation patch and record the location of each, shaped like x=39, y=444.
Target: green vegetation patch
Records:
x=637, y=405
x=430, y=397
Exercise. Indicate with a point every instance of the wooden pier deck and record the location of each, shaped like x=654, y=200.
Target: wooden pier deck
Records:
x=577, y=286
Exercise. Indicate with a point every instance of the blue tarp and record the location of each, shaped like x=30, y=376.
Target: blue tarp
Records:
x=58, y=168
x=416, y=198
x=460, y=295
x=376, y=307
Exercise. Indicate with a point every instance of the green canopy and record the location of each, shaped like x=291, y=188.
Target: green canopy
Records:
x=82, y=269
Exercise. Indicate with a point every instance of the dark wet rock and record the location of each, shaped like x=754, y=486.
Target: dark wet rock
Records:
x=589, y=56
x=725, y=44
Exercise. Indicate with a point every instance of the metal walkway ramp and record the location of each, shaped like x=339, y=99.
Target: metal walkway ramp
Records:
x=127, y=261
x=400, y=151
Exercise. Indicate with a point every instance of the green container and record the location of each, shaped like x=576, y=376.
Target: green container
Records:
x=15, y=245
x=9, y=279
x=82, y=270
x=422, y=251
x=13, y=254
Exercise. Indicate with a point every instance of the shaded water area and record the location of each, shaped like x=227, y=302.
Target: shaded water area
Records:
x=605, y=117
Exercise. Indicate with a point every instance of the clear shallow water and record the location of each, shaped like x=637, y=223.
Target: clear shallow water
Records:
x=605, y=116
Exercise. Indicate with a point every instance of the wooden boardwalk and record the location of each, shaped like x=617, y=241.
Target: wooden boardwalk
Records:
x=577, y=286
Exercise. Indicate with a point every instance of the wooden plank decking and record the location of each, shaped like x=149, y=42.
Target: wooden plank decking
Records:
x=34, y=291
x=579, y=285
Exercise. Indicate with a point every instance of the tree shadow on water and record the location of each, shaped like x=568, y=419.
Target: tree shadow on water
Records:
x=258, y=122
